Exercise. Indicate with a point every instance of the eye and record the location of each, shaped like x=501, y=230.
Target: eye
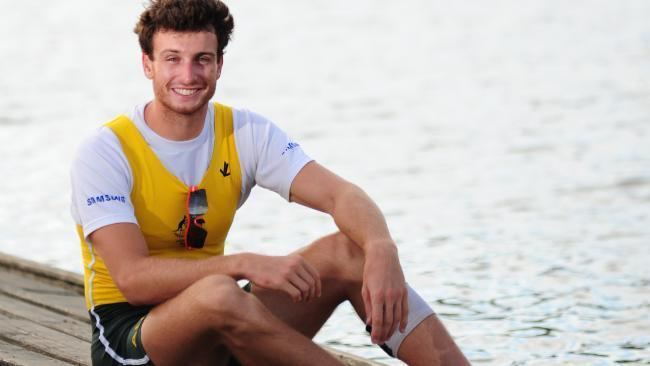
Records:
x=205, y=59
x=171, y=59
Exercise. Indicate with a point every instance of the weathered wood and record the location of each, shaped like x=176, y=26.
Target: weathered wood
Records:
x=44, y=294
x=16, y=308
x=349, y=359
x=44, y=321
x=13, y=355
x=46, y=341
x=43, y=273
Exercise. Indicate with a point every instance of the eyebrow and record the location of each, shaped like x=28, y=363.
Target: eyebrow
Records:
x=174, y=51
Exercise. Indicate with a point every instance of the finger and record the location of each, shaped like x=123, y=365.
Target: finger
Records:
x=367, y=304
x=307, y=279
x=405, y=311
x=292, y=291
x=300, y=285
x=388, y=320
x=313, y=278
x=308, y=292
x=377, y=320
x=397, y=318
x=316, y=276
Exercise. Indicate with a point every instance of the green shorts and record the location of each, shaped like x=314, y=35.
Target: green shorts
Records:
x=117, y=334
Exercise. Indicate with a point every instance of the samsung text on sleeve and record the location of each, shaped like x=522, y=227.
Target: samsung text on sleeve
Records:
x=104, y=198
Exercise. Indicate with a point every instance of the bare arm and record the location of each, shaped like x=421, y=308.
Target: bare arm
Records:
x=356, y=215
x=352, y=210
x=150, y=280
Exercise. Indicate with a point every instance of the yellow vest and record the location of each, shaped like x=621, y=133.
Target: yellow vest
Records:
x=159, y=200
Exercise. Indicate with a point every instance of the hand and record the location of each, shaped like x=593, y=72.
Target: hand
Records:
x=384, y=292
x=291, y=274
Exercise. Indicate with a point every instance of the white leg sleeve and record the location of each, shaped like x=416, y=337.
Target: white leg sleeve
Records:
x=418, y=311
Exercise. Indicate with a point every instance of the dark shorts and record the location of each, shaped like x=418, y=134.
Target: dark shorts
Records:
x=117, y=334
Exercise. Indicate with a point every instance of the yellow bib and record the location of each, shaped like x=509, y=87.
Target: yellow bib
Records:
x=159, y=199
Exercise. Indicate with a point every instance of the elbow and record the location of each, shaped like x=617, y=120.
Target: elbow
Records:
x=133, y=292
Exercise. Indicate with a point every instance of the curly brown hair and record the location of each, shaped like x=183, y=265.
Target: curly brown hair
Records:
x=185, y=16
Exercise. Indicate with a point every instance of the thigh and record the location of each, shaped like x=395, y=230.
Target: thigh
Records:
x=179, y=331
x=340, y=265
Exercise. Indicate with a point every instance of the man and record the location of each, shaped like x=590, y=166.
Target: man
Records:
x=154, y=195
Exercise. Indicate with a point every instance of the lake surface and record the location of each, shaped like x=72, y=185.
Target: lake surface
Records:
x=507, y=143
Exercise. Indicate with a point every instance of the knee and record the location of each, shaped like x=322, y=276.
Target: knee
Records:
x=217, y=297
x=231, y=314
x=346, y=249
x=214, y=284
x=347, y=258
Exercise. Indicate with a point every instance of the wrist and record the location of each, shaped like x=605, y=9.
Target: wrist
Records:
x=383, y=243
x=241, y=265
x=380, y=246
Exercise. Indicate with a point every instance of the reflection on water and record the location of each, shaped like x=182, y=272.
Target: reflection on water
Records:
x=507, y=144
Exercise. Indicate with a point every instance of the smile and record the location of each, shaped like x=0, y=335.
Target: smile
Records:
x=185, y=92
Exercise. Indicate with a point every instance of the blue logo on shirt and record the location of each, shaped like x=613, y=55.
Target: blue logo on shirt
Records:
x=105, y=198
x=290, y=146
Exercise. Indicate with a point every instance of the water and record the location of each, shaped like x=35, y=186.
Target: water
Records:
x=506, y=142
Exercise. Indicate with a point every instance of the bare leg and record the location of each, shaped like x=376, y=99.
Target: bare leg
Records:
x=340, y=264
x=430, y=344
x=197, y=326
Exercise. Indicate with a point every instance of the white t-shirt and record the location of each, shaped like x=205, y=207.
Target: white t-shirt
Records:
x=268, y=157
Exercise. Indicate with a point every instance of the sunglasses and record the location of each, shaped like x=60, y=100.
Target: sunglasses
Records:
x=197, y=206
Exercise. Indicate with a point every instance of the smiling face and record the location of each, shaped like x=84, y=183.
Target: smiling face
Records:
x=184, y=69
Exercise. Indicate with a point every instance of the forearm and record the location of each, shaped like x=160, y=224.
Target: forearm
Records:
x=152, y=280
x=357, y=216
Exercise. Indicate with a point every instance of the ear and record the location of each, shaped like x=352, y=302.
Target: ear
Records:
x=147, y=66
x=219, y=66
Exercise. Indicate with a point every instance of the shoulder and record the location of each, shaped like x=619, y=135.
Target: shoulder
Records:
x=256, y=128
x=102, y=142
x=244, y=119
x=100, y=153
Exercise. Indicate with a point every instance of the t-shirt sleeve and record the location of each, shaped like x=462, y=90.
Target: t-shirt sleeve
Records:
x=101, y=183
x=268, y=156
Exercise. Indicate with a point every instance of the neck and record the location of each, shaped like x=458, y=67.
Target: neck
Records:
x=174, y=126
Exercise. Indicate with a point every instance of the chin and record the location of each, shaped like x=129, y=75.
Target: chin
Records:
x=186, y=108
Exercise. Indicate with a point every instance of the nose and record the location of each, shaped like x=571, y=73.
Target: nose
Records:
x=188, y=72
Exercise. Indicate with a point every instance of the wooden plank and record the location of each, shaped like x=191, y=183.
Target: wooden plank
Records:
x=44, y=294
x=42, y=272
x=46, y=341
x=13, y=355
x=16, y=308
x=349, y=359
x=44, y=318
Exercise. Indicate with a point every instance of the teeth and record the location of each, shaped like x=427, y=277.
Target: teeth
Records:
x=185, y=91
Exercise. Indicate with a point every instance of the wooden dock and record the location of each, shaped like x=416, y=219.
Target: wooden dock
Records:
x=44, y=321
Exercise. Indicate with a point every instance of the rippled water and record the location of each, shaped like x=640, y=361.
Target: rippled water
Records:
x=507, y=143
